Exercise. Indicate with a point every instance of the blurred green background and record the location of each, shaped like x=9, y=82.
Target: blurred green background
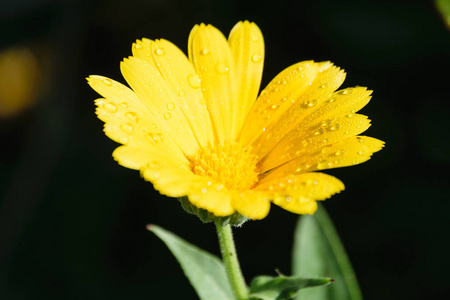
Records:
x=72, y=221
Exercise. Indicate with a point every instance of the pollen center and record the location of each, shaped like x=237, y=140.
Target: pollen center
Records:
x=229, y=164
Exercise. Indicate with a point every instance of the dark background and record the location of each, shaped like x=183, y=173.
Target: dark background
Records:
x=72, y=221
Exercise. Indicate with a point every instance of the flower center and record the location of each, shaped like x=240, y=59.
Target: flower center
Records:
x=228, y=164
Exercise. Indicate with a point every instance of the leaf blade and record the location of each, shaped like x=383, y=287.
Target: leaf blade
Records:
x=281, y=288
x=205, y=272
x=318, y=251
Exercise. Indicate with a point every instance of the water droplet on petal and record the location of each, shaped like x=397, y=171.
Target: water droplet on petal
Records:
x=107, y=82
x=323, y=164
x=222, y=68
x=204, y=190
x=346, y=92
x=331, y=100
x=181, y=93
x=256, y=57
x=132, y=116
x=310, y=103
x=170, y=106
x=255, y=38
x=110, y=107
x=127, y=127
x=160, y=51
x=205, y=51
x=361, y=152
x=288, y=199
x=334, y=127
x=167, y=116
x=194, y=81
x=323, y=86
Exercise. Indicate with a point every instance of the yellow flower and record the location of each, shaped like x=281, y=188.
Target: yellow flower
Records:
x=194, y=126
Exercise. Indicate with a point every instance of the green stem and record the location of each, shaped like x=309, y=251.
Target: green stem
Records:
x=231, y=262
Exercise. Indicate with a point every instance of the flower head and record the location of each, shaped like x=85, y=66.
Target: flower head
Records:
x=195, y=127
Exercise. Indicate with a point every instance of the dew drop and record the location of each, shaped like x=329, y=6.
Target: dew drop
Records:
x=361, y=152
x=323, y=164
x=310, y=103
x=154, y=137
x=160, y=51
x=155, y=164
x=110, y=107
x=167, y=116
x=194, y=81
x=205, y=51
x=255, y=38
x=132, y=116
x=170, y=106
x=323, y=86
x=222, y=68
x=350, y=115
x=138, y=46
x=331, y=100
x=256, y=58
x=334, y=127
x=346, y=92
x=127, y=127
x=107, y=82
x=204, y=190
x=181, y=93
x=288, y=199
x=319, y=132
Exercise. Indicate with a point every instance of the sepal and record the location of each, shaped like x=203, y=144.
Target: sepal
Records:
x=205, y=216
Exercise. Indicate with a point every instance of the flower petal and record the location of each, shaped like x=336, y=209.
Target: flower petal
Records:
x=157, y=95
x=137, y=158
x=169, y=177
x=207, y=195
x=176, y=69
x=314, y=135
x=283, y=118
x=128, y=120
x=247, y=45
x=351, y=151
x=214, y=63
x=252, y=204
x=299, y=193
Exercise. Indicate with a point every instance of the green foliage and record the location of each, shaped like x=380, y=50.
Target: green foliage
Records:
x=444, y=8
x=281, y=288
x=318, y=251
x=205, y=271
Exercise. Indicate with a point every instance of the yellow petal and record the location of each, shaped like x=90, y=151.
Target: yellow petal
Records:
x=252, y=204
x=213, y=61
x=317, y=91
x=138, y=158
x=277, y=97
x=128, y=120
x=247, y=45
x=348, y=152
x=169, y=177
x=207, y=195
x=299, y=193
x=156, y=94
x=314, y=135
x=176, y=69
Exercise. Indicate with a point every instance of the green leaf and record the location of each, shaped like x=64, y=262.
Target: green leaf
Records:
x=318, y=251
x=205, y=271
x=280, y=288
x=443, y=7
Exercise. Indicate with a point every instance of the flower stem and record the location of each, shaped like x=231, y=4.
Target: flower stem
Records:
x=231, y=262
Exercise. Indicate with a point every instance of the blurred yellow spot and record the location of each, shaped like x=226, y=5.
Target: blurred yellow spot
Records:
x=19, y=73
